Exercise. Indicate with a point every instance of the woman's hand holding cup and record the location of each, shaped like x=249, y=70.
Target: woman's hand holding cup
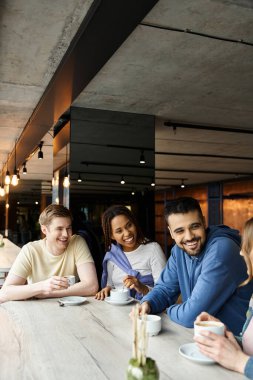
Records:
x=204, y=316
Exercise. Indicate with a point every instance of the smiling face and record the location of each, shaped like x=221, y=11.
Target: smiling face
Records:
x=124, y=233
x=58, y=234
x=188, y=231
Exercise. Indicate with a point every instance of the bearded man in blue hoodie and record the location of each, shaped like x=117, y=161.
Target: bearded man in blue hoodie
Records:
x=205, y=267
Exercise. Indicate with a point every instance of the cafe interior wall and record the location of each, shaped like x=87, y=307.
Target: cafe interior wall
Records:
x=101, y=147
x=235, y=204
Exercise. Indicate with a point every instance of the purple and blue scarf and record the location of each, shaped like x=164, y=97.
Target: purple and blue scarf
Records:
x=118, y=257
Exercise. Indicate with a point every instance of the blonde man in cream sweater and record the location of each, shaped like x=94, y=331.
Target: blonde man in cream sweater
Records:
x=40, y=267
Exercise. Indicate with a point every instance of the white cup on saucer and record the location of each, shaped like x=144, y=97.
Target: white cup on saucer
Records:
x=213, y=326
x=119, y=295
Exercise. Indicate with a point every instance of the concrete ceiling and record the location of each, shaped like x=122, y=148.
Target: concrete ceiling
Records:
x=186, y=63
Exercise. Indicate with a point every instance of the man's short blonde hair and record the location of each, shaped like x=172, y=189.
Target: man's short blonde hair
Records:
x=54, y=211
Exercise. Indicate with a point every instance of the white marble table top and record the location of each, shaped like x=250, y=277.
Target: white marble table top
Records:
x=8, y=254
x=39, y=340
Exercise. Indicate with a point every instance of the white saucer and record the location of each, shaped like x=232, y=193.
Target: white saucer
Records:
x=108, y=299
x=191, y=351
x=71, y=301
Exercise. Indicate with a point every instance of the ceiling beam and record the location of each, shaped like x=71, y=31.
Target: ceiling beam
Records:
x=106, y=26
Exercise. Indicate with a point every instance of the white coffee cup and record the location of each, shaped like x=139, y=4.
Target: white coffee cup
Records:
x=71, y=279
x=153, y=324
x=119, y=295
x=213, y=326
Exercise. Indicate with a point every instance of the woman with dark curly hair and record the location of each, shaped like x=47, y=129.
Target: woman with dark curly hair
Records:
x=131, y=260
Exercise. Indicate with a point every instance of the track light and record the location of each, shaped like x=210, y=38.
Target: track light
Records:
x=24, y=171
x=142, y=158
x=182, y=184
x=122, y=181
x=40, y=153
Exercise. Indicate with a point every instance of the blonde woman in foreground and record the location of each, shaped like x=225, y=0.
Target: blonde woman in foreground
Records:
x=233, y=353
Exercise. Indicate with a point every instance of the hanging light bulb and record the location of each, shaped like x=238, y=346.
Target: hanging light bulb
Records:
x=152, y=182
x=182, y=184
x=2, y=191
x=14, y=179
x=7, y=180
x=79, y=179
x=66, y=181
x=122, y=181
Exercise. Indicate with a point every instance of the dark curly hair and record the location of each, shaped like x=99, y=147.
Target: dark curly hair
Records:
x=182, y=205
x=107, y=217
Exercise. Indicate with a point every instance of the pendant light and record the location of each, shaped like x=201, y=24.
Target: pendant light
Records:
x=2, y=191
x=142, y=158
x=7, y=179
x=182, y=184
x=24, y=171
x=66, y=182
x=14, y=179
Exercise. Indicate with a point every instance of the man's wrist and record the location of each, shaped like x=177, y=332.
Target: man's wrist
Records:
x=241, y=362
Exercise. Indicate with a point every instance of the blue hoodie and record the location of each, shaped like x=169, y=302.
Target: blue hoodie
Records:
x=207, y=282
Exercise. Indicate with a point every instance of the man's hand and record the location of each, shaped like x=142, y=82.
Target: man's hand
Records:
x=105, y=292
x=52, y=284
x=204, y=316
x=144, y=308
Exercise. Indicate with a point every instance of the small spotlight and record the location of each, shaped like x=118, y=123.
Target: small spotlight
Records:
x=24, y=171
x=142, y=158
x=40, y=153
